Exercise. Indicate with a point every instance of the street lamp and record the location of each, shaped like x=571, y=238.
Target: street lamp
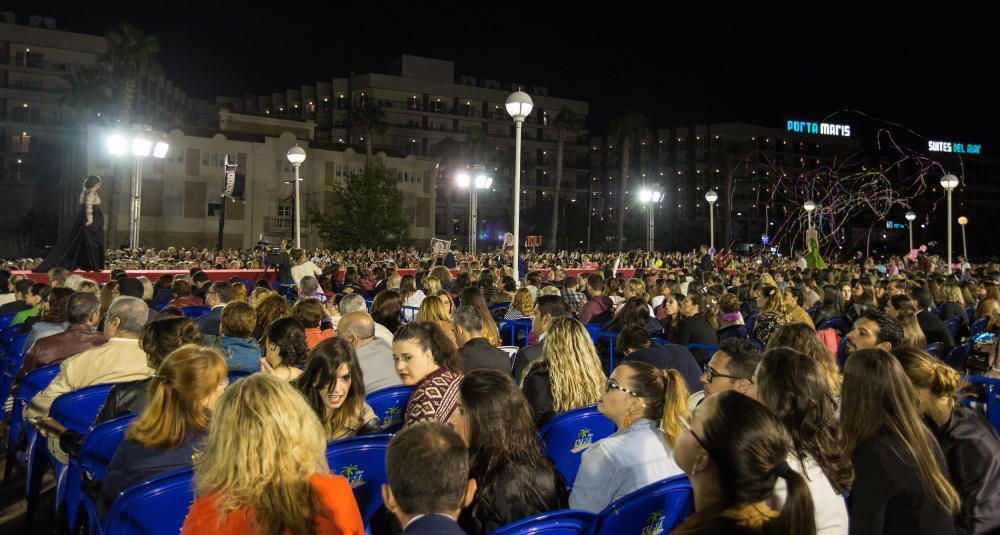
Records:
x=949, y=182
x=809, y=207
x=296, y=155
x=518, y=107
x=650, y=197
x=911, y=217
x=482, y=181
x=964, y=221
x=711, y=196
x=141, y=146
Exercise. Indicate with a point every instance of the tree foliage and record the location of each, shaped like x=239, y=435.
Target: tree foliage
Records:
x=364, y=210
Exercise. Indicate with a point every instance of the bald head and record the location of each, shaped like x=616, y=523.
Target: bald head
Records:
x=356, y=327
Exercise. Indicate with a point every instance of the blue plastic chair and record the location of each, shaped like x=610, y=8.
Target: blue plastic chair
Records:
x=707, y=347
x=936, y=349
x=362, y=461
x=733, y=331
x=515, y=327
x=655, y=508
x=978, y=326
x=594, y=330
x=567, y=435
x=236, y=375
x=562, y=522
x=958, y=355
x=750, y=322
x=76, y=410
x=992, y=387
x=155, y=507
x=410, y=313
x=842, y=353
x=840, y=323
x=389, y=405
x=195, y=312
x=954, y=325
x=91, y=465
x=32, y=384
x=6, y=319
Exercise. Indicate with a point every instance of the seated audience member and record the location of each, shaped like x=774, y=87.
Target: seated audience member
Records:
x=436, y=311
x=599, y=308
x=36, y=297
x=476, y=351
x=20, y=303
x=804, y=339
x=967, y=439
x=731, y=367
x=515, y=479
x=264, y=469
x=162, y=294
x=794, y=301
x=634, y=313
x=568, y=375
x=310, y=314
x=637, y=347
x=174, y=423
x=334, y=387
x=571, y=295
x=734, y=450
x=269, y=310
x=904, y=310
x=83, y=313
x=408, y=292
x=309, y=288
x=181, y=289
x=284, y=349
x=241, y=351
x=200, y=284
x=53, y=318
x=474, y=297
x=694, y=327
x=831, y=305
x=547, y=309
x=356, y=303
x=428, y=471
x=387, y=309
x=729, y=308
x=134, y=288
x=426, y=358
x=874, y=329
x=258, y=295
x=900, y=482
x=773, y=312
x=647, y=405
x=934, y=329
x=795, y=387
x=521, y=306
x=217, y=296
x=374, y=355
x=240, y=293
x=953, y=305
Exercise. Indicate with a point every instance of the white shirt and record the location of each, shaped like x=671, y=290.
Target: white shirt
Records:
x=828, y=506
x=304, y=270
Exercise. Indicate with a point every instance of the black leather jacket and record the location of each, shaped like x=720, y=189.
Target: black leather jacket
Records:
x=124, y=398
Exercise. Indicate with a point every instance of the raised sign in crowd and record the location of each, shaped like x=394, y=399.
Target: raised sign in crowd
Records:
x=409, y=392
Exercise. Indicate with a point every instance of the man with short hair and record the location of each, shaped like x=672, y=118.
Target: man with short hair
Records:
x=35, y=298
x=201, y=284
x=731, y=367
x=356, y=303
x=573, y=298
x=119, y=360
x=374, y=354
x=218, y=294
x=548, y=308
x=477, y=353
x=21, y=290
x=598, y=308
x=427, y=465
x=83, y=315
x=635, y=343
x=133, y=288
x=934, y=329
x=874, y=329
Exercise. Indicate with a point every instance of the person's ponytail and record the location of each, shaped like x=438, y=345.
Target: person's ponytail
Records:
x=675, y=408
x=798, y=513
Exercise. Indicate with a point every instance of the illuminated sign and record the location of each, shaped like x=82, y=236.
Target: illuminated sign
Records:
x=890, y=224
x=823, y=129
x=948, y=146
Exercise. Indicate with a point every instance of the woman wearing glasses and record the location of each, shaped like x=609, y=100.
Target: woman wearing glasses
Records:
x=648, y=405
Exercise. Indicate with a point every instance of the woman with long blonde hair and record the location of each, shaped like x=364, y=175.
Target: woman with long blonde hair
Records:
x=773, y=312
x=434, y=310
x=899, y=471
x=804, y=339
x=473, y=296
x=903, y=309
x=521, y=306
x=264, y=468
x=568, y=375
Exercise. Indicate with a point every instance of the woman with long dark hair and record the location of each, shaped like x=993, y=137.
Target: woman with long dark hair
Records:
x=514, y=480
x=426, y=358
x=83, y=247
x=387, y=310
x=334, y=387
x=831, y=304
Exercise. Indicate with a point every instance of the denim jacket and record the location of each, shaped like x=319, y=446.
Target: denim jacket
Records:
x=242, y=354
x=620, y=463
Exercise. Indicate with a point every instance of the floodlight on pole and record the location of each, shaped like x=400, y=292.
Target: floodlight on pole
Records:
x=518, y=106
x=296, y=155
x=711, y=196
x=911, y=217
x=949, y=182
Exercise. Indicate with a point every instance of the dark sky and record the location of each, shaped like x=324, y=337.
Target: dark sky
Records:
x=932, y=71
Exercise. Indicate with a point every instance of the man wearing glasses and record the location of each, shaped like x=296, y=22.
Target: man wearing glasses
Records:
x=731, y=367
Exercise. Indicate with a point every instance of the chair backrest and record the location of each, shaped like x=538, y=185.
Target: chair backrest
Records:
x=750, y=321
x=100, y=445
x=16, y=346
x=707, y=347
x=562, y=522
x=733, y=331
x=362, y=461
x=936, y=349
x=235, y=375
x=194, y=312
x=6, y=319
x=77, y=409
x=992, y=388
x=594, y=330
x=389, y=405
x=567, y=435
x=155, y=507
x=958, y=355
x=511, y=352
x=655, y=508
x=410, y=313
x=837, y=322
x=953, y=324
x=978, y=326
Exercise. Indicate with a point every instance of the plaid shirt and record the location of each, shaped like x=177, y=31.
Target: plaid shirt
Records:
x=574, y=300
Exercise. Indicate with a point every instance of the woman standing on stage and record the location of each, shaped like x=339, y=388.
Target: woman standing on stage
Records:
x=83, y=247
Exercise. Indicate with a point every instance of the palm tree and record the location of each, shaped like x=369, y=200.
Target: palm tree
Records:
x=626, y=129
x=131, y=53
x=567, y=124
x=728, y=156
x=370, y=119
x=88, y=96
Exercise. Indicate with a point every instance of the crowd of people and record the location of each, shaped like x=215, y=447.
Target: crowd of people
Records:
x=772, y=430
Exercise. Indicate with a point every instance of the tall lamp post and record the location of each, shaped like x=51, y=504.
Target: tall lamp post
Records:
x=518, y=107
x=481, y=181
x=964, y=221
x=809, y=207
x=141, y=147
x=296, y=155
x=650, y=198
x=911, y=217
x=949, y=182
x=711, y=196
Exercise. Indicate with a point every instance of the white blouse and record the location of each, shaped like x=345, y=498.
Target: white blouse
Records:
x=89, y=198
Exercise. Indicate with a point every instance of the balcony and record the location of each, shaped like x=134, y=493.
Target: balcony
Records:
x=283, y=225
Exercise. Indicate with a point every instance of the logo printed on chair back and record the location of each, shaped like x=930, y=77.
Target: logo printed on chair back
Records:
x=393, y=416
x=355, y=476
x=583, y=440
x=654, y=524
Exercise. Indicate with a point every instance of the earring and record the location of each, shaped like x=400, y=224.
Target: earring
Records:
x=628, y=420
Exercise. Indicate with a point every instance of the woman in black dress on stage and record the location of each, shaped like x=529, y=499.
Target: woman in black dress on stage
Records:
x=83, y=247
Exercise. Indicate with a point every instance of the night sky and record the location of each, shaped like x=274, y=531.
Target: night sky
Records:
x=932, y=71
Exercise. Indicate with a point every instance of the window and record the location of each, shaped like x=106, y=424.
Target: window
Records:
x=205, y=158
x=284, y=210
x=412, y=103
x=436, y=106
x=214, y=208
